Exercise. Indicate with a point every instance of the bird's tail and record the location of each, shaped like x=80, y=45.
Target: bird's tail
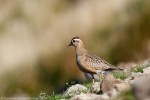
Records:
x=113, y=68
x=121, y=69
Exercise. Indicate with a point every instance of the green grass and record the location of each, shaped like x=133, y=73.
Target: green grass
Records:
x=122, y=75
x=87, y=85
x=126, y=95
x=52, y=96
x=119, y=75
x=139, y=68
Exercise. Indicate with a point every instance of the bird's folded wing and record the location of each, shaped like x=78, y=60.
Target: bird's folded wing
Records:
x=86, y=67
x=97, y=63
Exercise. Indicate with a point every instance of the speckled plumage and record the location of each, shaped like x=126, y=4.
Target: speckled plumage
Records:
x=87, y=61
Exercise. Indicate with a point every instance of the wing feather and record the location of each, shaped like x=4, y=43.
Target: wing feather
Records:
x=97, y=63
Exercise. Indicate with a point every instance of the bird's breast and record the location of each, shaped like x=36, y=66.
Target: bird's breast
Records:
x=79, y=63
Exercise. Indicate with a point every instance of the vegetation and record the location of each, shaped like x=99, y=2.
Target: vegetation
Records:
x=120, y=75
x=35, y=33
x=126, y=95
x=139, y=68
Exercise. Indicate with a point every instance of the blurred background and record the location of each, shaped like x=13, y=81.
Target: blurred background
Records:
x=34, y=35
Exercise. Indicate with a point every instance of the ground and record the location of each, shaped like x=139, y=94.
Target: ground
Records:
x=129, y=84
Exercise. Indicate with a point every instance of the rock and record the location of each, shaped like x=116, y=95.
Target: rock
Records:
x=141, y=88
x=90, y=97
x=121, y=86
x=135, y=76
x=112, y=86
x=95, y=88
x=75, y=89
x=108, y=83
x=113, y=93
x=146, y=70
x=139, y=74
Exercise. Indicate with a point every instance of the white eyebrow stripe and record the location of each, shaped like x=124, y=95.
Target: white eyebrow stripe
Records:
x=77, y=40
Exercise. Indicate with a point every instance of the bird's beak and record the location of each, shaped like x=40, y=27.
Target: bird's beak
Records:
x=70, y=44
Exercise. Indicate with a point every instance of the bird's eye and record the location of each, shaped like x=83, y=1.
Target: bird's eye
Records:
x=73, y=41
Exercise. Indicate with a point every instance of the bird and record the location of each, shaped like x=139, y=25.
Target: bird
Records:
x=88, y=62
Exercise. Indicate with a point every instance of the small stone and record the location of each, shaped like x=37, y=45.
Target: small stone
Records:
x=75, y=89
x=95, y=88
x=121, y=86
x=112, y=93
x=141, y=87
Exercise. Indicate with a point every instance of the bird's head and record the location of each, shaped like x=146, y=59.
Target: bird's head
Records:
x=76, y=41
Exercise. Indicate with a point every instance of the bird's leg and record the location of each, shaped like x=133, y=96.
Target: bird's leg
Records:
x=93, y=78
x=104, y=73
x=101, y=75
